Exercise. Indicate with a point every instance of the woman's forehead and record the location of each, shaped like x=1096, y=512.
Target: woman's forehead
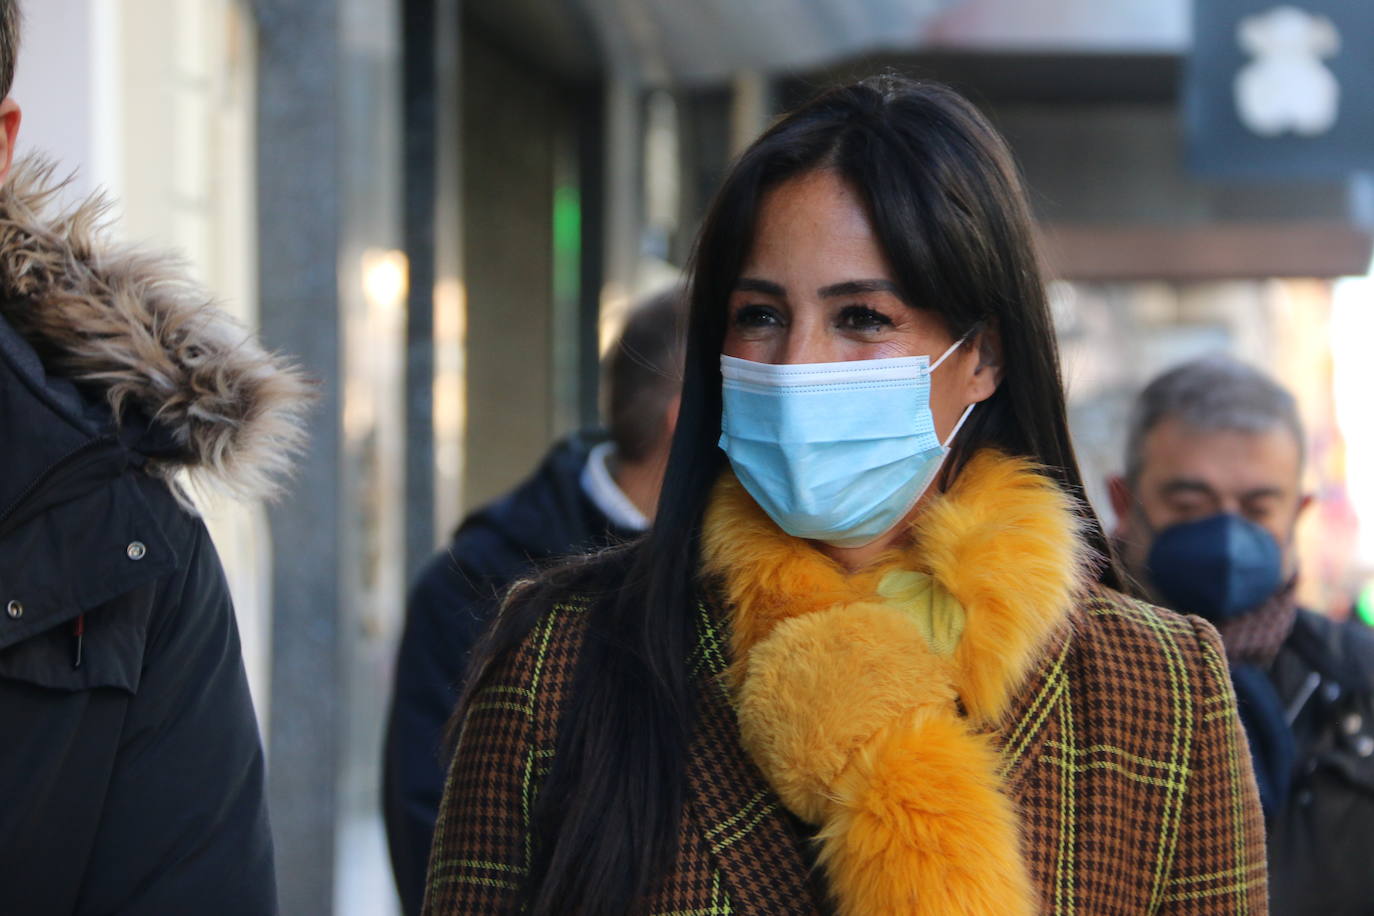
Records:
x=815, y=226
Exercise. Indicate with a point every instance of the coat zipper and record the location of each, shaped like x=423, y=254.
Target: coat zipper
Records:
x=52, y=473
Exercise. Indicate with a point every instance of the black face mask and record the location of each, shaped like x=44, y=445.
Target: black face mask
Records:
x=1217, y=568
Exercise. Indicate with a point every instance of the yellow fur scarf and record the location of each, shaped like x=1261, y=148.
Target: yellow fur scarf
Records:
x=867, y=698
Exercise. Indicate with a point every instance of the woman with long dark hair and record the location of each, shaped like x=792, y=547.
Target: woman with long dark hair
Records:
x=872, y=656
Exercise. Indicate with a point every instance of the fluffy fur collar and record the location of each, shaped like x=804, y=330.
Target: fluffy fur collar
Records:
x=129, y=323
x=875, y=726
x=1003, y=542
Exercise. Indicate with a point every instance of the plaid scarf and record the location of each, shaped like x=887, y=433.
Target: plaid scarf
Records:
x=1254, y=638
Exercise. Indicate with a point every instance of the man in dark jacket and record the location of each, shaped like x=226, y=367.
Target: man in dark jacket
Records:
x=132, y=771
x=1207, y=511
x=588, y=492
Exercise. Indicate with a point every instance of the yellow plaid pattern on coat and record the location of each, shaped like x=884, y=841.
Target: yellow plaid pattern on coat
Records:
x=1122, y=751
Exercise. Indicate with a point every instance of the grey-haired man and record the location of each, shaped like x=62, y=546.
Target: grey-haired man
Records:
x=1207, y=511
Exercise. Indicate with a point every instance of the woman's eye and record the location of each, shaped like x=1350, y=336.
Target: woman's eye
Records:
x=863, y=318
x=756, y=316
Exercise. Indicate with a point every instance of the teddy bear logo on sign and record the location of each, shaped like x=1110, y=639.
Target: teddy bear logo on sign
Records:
x=1287, y=86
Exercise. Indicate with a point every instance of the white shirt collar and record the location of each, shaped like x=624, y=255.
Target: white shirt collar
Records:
x=606, y=494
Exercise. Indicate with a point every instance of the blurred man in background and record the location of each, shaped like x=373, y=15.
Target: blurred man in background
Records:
x=590, y=491
x=132, y=771
x=1207, y=512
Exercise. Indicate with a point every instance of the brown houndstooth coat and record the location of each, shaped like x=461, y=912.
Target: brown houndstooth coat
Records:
x=1132, y=779
x=1120, y=752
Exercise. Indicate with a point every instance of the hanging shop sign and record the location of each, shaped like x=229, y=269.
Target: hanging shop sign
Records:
x=1281, y=90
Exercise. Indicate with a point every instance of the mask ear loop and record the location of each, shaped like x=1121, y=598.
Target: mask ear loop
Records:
x=960, y=425
x=954, y=346
x=967, y=410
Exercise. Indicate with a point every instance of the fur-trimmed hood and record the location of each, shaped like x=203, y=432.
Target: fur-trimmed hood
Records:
x=130, y=326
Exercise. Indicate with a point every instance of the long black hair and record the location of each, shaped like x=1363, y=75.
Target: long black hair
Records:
x=948, y=209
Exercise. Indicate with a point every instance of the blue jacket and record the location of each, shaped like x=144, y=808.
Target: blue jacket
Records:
x=546, y=517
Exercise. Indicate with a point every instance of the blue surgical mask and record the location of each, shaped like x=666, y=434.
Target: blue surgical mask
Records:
x=1217, y=568
x=833, y=452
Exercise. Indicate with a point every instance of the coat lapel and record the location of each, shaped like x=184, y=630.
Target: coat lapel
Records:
x=1033, y=711
x=1032, y=736
x=761, y=853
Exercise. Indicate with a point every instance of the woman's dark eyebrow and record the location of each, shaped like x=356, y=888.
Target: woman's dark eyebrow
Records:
x=847, y=288
x=751, y=285
x=858, y=288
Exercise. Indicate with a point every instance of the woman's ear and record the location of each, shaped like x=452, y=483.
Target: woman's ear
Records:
x=987, y=343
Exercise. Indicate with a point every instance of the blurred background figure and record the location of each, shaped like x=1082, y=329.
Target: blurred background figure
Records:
x=591, y=490
x=446, y=208
x=1207, y=514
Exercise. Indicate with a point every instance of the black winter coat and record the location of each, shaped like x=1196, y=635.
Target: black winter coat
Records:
x=131, y=767
x=1321, y=845
x=454, y=598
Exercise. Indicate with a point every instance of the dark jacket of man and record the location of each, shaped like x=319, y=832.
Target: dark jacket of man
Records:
x=547, y=516
x=1321, y=844
x=131, y=766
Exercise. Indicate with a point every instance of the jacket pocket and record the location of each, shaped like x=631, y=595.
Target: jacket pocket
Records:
x=92, y=565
